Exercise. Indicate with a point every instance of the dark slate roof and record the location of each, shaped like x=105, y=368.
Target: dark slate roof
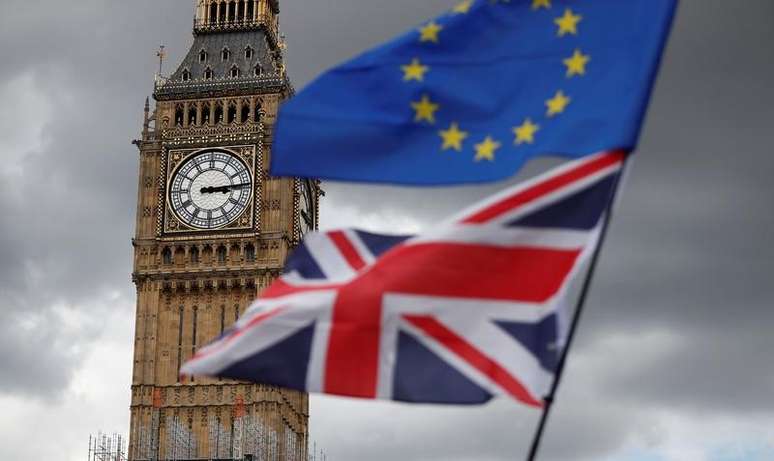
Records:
x=213, y=44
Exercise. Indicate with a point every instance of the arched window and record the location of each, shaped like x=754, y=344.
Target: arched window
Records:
x=202, y=56
x=194, y=328
x=194, y=255
x=206, y=114
x=179, y=116
x=241, y=11
x=222, y=16
x=250, y=11
x=186, y=75
x=225, y=54
x=232, y=11
x=180, y=341
x=232, y=112
x=208, y=74
x=166, y=256
x=245, y=112
x=234, y=73
x=250, y=253
x=219, y=113
x=213, y=12
x=222, y=254
x=192, y=116
x=257, y=70
x=257, y=113
x=249, y=52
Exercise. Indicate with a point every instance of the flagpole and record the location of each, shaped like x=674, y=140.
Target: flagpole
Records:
x=549, y=400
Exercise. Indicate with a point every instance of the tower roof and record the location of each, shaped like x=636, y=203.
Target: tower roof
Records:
x=235, y=50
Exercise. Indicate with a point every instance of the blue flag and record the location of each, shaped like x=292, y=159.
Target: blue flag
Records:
x=472, y=95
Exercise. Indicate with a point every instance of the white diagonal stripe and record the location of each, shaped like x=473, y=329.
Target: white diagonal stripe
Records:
x=328, y=257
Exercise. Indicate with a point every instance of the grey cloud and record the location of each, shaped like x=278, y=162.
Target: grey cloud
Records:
x=68, y=206
x=678, y=323
x=326, y=32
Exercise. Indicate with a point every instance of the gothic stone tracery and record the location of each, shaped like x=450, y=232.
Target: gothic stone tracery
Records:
x=193, y=284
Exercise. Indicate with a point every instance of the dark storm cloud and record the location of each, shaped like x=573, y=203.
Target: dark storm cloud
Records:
x=325, y=32
x=66, y=239
x=680, y=316
x=68, y=208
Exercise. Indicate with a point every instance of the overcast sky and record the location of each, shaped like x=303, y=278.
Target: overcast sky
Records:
x=674, y=355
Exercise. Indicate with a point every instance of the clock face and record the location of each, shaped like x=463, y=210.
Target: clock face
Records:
x=307, y=212
x=210, y=189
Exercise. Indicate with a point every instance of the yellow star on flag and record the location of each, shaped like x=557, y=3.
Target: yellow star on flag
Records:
x=557, y=104
x=463, y=7
x=576, y=64
x=414, y=71
x=537, y=4
x=526, y=132
x=568, y=24
x=425, y=110
x=429, y=32
x=453, y=137
x=486, y=150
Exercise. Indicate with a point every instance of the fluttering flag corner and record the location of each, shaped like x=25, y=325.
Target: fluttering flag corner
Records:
x=472, y=309
x=472, y=95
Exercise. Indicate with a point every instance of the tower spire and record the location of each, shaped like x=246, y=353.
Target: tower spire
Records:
x=146, y=120
x=161, y=55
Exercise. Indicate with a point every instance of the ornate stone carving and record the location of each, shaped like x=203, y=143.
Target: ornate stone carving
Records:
x=172, y=225
x=235, y=114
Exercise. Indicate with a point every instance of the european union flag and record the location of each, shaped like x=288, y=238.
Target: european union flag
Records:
x=473, y=94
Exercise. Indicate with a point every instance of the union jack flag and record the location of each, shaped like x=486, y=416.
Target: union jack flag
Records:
x=469, y=310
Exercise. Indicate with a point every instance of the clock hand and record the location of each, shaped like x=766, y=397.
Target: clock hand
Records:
x=212, y=190
x=223, y=189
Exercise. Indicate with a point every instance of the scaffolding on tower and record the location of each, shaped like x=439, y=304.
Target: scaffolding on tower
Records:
x=181, y=443
x=104, y=447
x=242, y=437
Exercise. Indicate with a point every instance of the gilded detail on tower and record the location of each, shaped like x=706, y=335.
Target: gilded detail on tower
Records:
x=213, y=229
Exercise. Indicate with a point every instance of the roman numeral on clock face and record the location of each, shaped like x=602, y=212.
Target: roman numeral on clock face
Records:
x=210, y=189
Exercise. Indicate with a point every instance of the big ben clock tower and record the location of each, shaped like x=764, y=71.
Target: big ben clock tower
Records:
x=213, y=229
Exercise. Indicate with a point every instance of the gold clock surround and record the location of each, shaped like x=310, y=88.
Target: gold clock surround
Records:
x=247, y=221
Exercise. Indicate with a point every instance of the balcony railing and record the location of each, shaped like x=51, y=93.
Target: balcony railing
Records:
x=164, y=86
x=266, y=20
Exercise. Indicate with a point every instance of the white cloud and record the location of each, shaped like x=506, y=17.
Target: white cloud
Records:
x=96, y=398
x=337, y=214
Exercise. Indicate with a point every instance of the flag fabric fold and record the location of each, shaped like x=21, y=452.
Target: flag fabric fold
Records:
x=470, y=310
x=472, y=95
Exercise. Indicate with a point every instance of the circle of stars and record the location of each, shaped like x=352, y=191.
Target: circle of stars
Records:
x=454, y=137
